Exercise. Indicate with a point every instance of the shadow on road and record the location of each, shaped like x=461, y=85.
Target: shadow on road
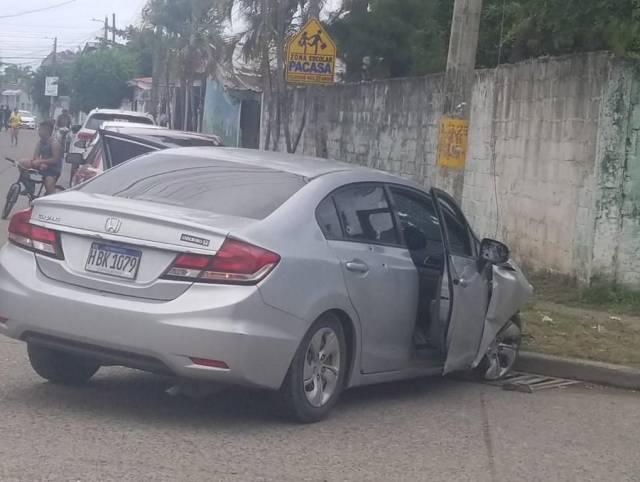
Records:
x=142, y=397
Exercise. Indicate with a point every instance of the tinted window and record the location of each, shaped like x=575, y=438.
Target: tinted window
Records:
x=196, y=183
x=328, y=220
x=456, y=226
x=94, y=158
x=418, y=212
x=365, y=214
x=95, y=121
x=122, y=150
x=180, y=140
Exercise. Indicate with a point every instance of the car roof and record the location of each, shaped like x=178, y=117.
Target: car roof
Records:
x=305, y=166
x=156, y=136
x=121, y=112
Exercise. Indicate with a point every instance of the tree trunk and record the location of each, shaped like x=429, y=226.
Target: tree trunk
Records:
x=185, y=117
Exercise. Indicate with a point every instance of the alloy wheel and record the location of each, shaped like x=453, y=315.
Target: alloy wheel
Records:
x=321, y=367
x=503, y=352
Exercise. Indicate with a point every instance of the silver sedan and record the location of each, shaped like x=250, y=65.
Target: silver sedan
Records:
x=295, y=274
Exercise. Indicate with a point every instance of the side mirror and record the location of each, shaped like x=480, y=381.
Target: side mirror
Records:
x=494, y=251
x=75, y=158
x=416, y=240
x=76, y=128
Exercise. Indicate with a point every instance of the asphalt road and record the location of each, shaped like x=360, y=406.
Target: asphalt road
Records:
x=124, y=426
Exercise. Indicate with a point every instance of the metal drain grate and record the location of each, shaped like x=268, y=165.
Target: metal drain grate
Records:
x=527, y=383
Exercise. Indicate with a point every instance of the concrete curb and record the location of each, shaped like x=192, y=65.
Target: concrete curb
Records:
x=578, y=369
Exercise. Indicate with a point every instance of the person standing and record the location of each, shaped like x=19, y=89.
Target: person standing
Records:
x=14, y=124
x=3, y=117
x=64, y=120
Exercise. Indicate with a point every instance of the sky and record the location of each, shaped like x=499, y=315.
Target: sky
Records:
x=27, y=39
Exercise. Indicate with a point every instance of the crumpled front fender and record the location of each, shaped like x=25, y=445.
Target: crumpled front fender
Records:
x=510, y=291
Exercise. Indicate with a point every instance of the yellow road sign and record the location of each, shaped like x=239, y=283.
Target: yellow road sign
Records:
x=452, y=142
x=311, y=55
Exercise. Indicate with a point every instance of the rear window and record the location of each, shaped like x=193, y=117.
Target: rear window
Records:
x=122, y=150
x=212, y=185
x=180, y=140
x=95, y=121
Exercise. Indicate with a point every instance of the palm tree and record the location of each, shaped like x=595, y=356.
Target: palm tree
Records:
x=190, y=33
x=270, y=22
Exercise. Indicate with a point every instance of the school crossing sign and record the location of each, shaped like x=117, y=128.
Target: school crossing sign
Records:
x=311, y=55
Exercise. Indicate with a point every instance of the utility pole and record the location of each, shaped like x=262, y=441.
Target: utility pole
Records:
x=113, y=29
x=54, y=61
x=458, y=87
x=106, y=29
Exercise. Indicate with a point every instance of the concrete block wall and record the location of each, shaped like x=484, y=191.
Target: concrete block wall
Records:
x=553, y=161
x=536, y=124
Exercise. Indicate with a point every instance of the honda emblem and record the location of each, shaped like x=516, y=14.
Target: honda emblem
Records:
x=112, y=225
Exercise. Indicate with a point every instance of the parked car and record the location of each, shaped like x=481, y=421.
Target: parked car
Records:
x=83, y=134
x=294, y=274
x=28, y=120
x=117, y=142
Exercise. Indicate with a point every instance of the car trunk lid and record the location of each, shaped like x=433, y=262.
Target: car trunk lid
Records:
x=124, y=246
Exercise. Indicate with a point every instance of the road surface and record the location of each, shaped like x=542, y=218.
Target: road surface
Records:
x=124, y=426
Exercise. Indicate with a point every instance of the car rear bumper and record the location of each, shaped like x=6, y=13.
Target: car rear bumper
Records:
x=231, y=324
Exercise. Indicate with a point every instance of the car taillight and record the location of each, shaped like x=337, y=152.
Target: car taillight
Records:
x=32, y=237
x=85, y=136
x=236, y=262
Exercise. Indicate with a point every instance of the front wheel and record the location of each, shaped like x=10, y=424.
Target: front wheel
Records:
x=317, y=373
x=12, y=199
x=502, y=353
x=60, y=367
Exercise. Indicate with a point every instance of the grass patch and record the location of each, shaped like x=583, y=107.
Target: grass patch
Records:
x=605, y=297
x=594, y=335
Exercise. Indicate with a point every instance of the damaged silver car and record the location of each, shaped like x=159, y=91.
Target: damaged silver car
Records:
x=299, y=275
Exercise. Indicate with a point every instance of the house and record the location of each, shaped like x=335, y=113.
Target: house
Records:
x=16, y=99
x=232, y=106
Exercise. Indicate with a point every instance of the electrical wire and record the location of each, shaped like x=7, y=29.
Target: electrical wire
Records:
x=36, y=10
x=494, y=138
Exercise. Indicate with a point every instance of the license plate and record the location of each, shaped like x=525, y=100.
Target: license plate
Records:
x=113, y=260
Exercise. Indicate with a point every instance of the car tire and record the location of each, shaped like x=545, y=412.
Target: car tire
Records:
x=497, y=364
x=312, y=386
x=12, y=197
x=60, y=367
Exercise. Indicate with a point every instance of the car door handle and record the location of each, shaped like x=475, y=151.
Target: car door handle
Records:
x=357, y=266
x=463, y=283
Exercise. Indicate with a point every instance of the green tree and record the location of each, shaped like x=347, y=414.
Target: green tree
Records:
x=392, y=38
x=99, y=78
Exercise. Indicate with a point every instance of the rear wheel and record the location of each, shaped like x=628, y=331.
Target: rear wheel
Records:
x=12, y=198
x=502, y=353
x=60, y=367
x=317, y=373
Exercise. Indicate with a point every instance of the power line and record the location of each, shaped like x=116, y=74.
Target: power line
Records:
x=36, y=10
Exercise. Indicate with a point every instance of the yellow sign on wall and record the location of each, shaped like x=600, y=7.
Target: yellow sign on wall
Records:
x=311, y=55
x=452, y=142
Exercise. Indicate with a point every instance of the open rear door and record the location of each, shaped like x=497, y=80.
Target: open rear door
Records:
x=468, y=287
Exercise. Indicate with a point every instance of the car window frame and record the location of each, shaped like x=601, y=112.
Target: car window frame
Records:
x=427, y=196
x=104, y=138
x=383, y=186
x=473, y=240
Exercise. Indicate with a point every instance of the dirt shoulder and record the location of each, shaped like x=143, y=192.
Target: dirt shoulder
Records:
x=595, y=325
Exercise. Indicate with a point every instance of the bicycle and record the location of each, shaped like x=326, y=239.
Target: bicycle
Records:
x=26, y=185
